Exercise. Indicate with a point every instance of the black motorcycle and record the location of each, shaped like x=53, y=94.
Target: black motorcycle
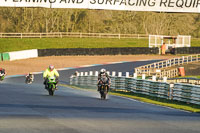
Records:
x=103, y=87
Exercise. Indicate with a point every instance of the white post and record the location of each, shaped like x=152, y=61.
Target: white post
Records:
x=183, y=59
x=78, y=74
x=127, y=74
x=81, y=74
x=91, y=73
x=86, y=73
x=164, y=79
x=80, y=35
x=96, y=73
x=143, y=76
x=108, y=72
x=135, y=75
x=154, y=78
x=113, y=73
x=171, y=91
x=119, y=74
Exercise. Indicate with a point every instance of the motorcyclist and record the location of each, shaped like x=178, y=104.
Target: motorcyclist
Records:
x=50, y=72
x=2, y=73
x=101, y=74
x=30, y=77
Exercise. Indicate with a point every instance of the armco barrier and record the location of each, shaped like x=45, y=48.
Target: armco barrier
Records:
x=97, y=51
x=179, y=92
x=185, y=80
x=186, y=93
x=152, y=88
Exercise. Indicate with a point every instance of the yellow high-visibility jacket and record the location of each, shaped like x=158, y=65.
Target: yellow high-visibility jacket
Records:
x=48, y=73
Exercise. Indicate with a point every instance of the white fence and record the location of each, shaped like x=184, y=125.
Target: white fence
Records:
x=163, y=68
x=179, y=92
x=170, y=41
x=71, y=34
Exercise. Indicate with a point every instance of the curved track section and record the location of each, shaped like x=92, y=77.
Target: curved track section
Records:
x=27, y=108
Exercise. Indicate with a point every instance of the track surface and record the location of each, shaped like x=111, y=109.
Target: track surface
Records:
x=28, y=108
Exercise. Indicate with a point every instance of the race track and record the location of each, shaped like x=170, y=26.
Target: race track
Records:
x=28, y=109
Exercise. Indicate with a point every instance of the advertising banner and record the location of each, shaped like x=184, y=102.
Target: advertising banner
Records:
x=25, y=3
x=192, y=6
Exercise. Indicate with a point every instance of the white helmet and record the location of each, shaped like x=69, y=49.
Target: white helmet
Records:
x=51, y=67
x=103, y=70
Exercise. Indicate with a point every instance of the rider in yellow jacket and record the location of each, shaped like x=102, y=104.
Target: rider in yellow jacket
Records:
x=50, y=72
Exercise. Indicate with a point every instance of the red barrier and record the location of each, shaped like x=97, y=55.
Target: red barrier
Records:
x=181, y=71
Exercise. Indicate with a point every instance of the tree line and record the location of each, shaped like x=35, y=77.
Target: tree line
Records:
x=22, y=20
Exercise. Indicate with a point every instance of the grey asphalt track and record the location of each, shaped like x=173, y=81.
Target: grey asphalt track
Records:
x=28, y=109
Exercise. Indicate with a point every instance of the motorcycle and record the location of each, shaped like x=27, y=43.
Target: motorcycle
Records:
x=103, y=90
x=29, y=79
x=51, y=85
x=2, y=76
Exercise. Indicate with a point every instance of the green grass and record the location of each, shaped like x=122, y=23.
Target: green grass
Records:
x=195, y=42
x=150, y=99
x=16, y=44
x=189, y=76
x=159, y=101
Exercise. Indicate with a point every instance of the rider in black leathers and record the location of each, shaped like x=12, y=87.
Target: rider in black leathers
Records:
x=101, y=74
x=2, y=71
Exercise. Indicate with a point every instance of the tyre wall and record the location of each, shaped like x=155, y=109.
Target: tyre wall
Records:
x=187, y=50
x=97, y=51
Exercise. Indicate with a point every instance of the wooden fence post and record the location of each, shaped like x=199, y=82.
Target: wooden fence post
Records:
x=80, y=35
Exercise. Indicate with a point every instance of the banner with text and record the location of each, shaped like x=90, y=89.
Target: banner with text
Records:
x=131, y=5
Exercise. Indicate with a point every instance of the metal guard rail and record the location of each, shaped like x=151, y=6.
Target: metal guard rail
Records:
x=186, y=93
x=186, y=80
x=179, y=92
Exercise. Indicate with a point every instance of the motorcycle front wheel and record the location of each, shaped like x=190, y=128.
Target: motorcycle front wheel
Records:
x=51, y=92
x=1, y=78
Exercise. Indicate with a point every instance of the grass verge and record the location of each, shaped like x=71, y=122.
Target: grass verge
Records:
x=16, y=44
x=149, y=99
